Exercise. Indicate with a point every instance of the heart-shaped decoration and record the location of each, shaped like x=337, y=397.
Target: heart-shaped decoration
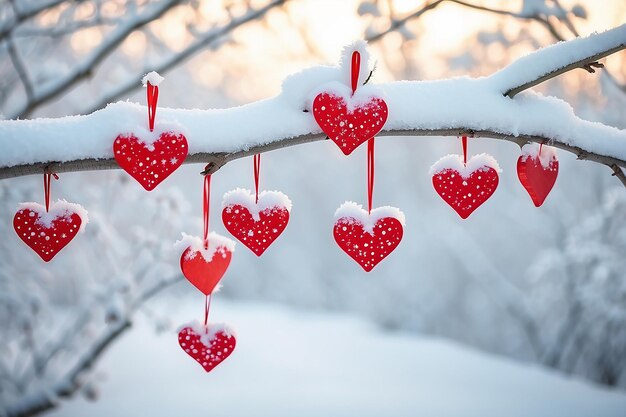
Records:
x=349, y=122
x=48, y=232
x=204, y=267
x=255, y=224
x=538, y=171
x=465, y=187
x=150, y=164
x=368, y=237
x=209, y=346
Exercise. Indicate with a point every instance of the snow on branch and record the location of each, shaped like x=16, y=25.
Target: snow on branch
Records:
x=450, y=107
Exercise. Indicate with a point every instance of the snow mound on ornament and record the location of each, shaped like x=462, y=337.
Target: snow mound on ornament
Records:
x=247, y=199
x=58, y=209
x=217, y=243
x=454, y=162
x=208, y=332
x=351, y=211
x=547, y=155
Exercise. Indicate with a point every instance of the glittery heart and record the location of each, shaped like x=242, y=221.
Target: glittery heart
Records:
x=368, y=245
x=150, y=164
x=46, y=233
x=209, y=348
x=466, y=188
x=256, y=224
x=349, y=128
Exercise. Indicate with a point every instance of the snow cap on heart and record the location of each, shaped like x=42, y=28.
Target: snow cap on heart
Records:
x=207, y=333
x=247, y=199
x=58, y=209
x=153, y=77
x=531, y=150
x=352, y=210
x=346, y=62
x=197, y=245
x=455, y=162
x=144, y=135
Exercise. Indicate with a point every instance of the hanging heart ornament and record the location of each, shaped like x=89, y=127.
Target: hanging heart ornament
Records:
x=150, y=163
x=368, y=238
x=205, y=266
x=48, y=232
x=255, y=224
x=537, y=170
x=207, y=345
x=349, y=121
x=465, y=187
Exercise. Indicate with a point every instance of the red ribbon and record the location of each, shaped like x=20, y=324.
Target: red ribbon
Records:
x=464, y=142
x=207, y=306
x=355, y=68
x=257, y=170
x=205, y=204
x=46, y=187
x=153, y=97
x=370, y=174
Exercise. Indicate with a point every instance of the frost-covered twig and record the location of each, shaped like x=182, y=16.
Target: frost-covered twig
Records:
x=22, y=16
x=85, y=68
x=202, y=41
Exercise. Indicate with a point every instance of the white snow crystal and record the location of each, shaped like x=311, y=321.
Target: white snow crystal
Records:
x=548, y=153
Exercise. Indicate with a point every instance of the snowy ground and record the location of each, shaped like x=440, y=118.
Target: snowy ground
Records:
x=289, y=363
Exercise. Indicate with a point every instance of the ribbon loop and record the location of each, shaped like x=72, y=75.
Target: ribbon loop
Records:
x=153, y=96
x=370, y=174
x=205, y=208
x=355, y=68
x=47, y=179
x=257, y=170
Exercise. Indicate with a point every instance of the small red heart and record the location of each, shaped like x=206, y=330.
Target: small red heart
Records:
x=47, y=232
x=202, y=273
x=367, y=238
x=256, y=225
x=536, y=178
x=150, y=164
x=465, y=188
x=208, y=346
x=349, y=128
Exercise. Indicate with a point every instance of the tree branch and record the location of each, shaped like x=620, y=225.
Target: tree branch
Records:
x=21, y=17
x=23, y=141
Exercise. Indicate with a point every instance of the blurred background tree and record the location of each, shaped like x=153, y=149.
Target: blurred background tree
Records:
x=543, y=285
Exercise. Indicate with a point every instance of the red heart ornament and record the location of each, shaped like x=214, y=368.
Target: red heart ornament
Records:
x=48, y=232
x=205, y=267
x=538, y=173
x=150, y=164
x=465, y=187
x=256, y=225
x=349, y=127
x=209, y=346
x=368, y=238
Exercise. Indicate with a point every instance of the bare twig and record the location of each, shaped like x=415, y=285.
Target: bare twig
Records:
x=200, y=43
x=86, y=68
x=619, y=173
x=20, y=68
x=22, y=16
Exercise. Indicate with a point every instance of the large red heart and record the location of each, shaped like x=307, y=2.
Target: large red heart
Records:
x=349, y=128
x=208, y=346
x=465, y=187
x=256, y=225
x=368, y=238
x=205, y=268
x=48, y=232
x=537, y=178
x=150, y=164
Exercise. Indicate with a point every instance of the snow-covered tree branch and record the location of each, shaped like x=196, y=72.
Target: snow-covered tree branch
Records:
x=462, y=106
